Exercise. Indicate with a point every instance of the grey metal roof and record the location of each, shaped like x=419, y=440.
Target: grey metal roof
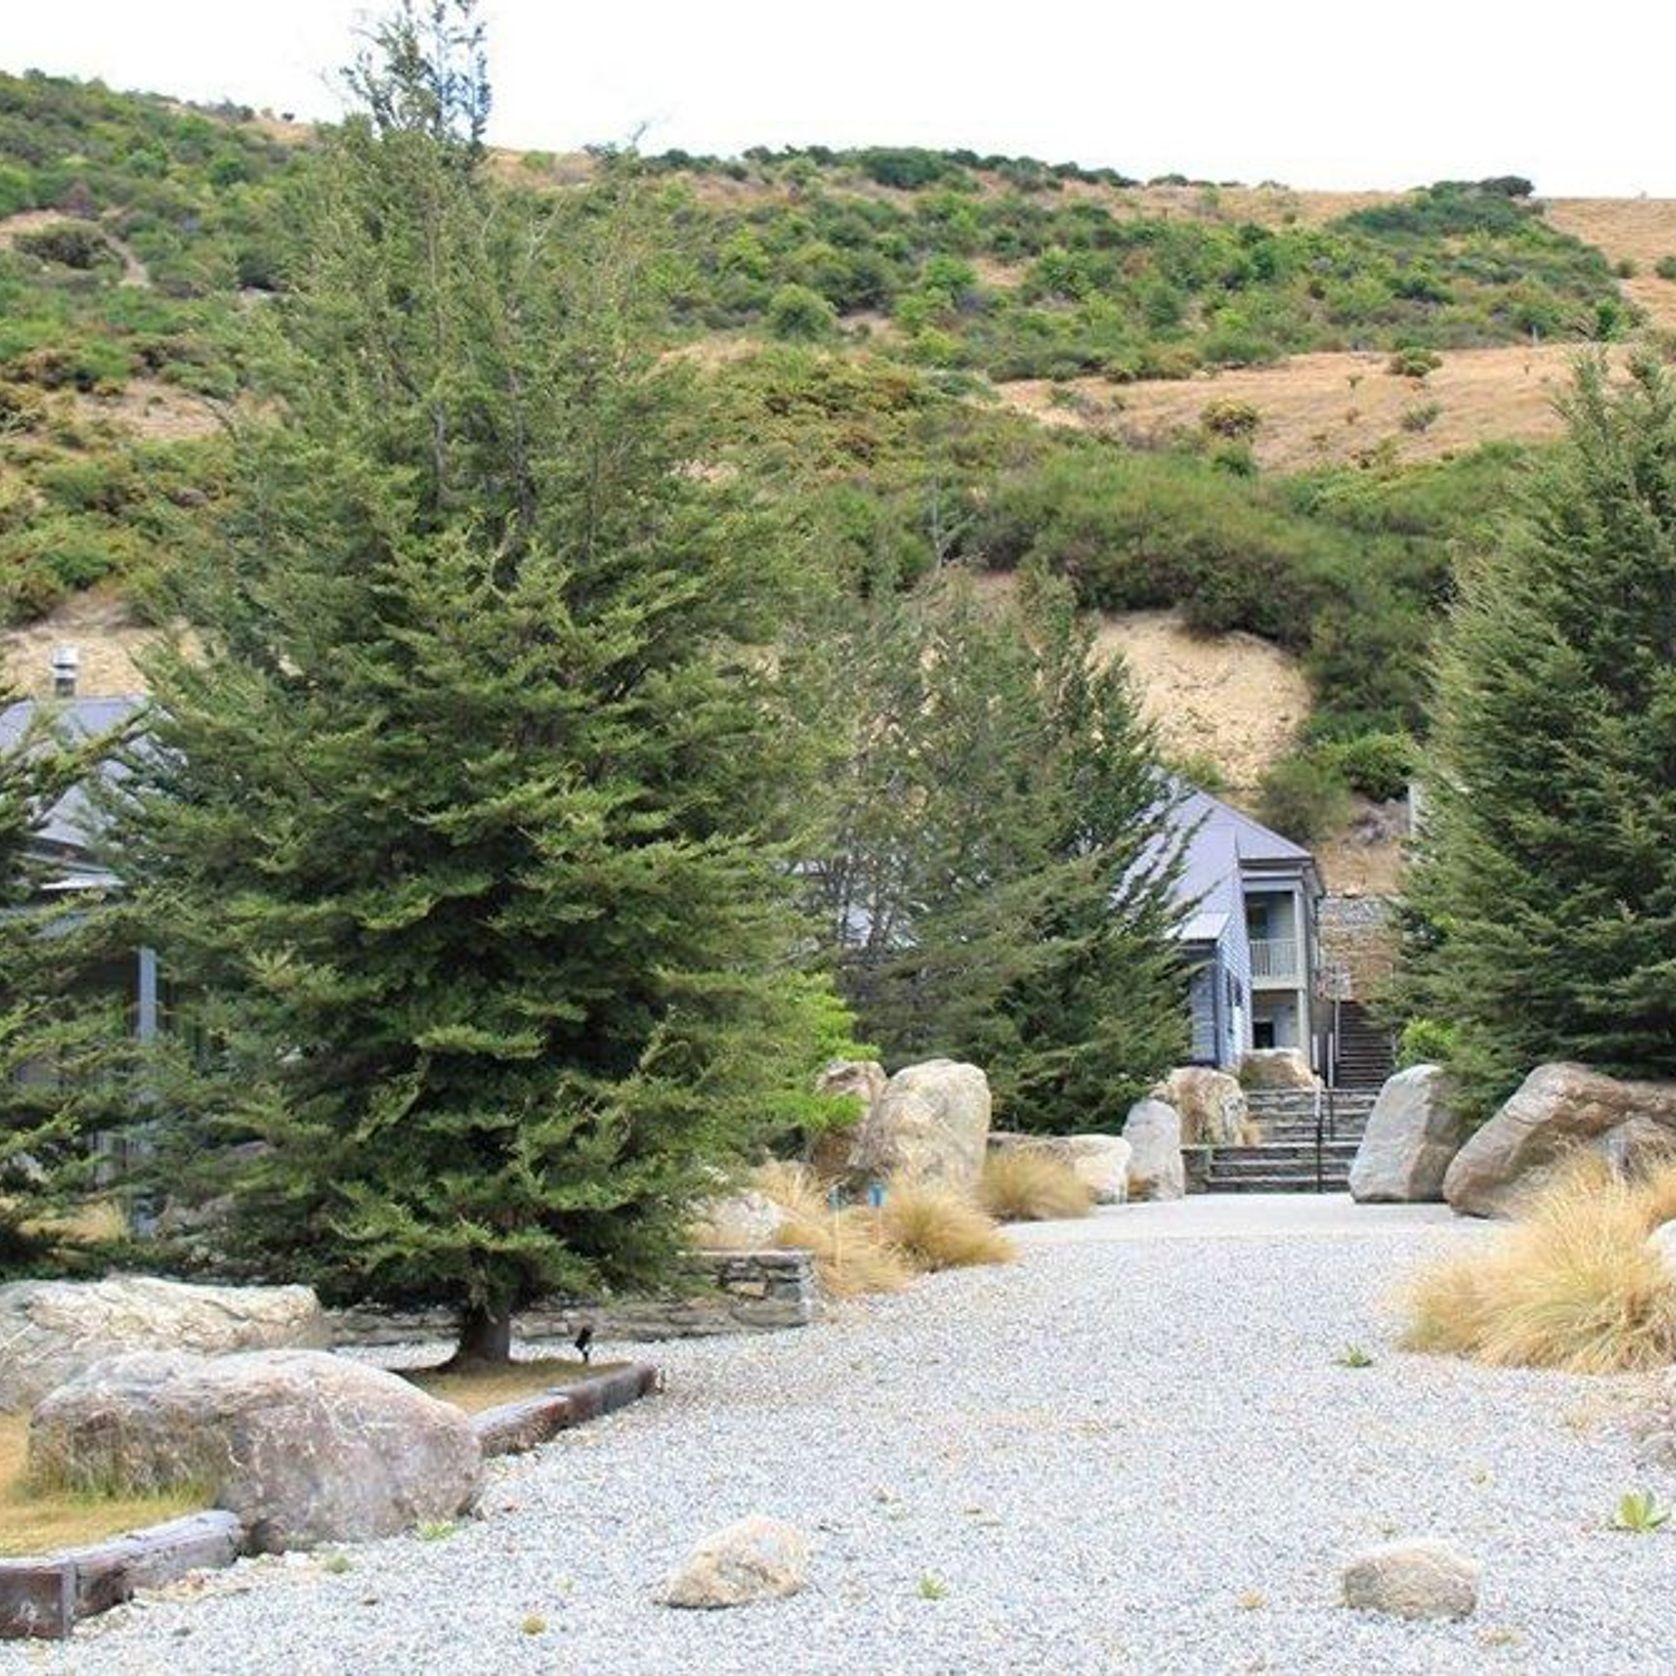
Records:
x=67, y=823
x=1222, y=841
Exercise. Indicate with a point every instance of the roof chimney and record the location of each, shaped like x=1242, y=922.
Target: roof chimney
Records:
x=66, y=661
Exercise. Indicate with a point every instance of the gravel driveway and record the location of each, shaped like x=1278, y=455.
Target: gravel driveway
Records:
x=1135, y=1450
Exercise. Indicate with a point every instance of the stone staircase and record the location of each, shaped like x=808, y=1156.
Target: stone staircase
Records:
x=1366, y=1054
x=1286, y=1160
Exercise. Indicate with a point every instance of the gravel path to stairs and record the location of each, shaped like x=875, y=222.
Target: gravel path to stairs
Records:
x=1135, y=1450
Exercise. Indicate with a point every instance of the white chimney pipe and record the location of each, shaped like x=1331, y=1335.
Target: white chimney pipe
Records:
x=66, y=664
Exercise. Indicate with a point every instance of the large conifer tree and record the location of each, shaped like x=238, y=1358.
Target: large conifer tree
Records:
x=462, y=825
x=1001, y=883
x=1542, y=907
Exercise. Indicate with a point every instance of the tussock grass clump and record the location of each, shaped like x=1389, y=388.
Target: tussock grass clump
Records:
x=1571, y=1285
x=38, y=1514
x=851, y=1255
x=936, y=1228
x=1021, y=1184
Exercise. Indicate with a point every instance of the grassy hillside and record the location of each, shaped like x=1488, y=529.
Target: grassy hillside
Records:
x=1249, y=408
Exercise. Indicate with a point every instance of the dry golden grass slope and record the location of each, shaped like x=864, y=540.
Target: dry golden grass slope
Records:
x=1330, y=409
x=1637, y=230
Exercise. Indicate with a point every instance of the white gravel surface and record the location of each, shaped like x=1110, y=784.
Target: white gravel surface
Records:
x=1133, y=1451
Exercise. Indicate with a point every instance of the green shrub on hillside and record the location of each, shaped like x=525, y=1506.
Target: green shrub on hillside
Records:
x=73, y=244
x=1303, y=798
x=1378, y=765
x=801, y=315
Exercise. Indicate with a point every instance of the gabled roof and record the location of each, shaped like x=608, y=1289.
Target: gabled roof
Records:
x=67, y=822
x=1222, y=842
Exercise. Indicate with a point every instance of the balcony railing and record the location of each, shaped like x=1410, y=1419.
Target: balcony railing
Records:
x=1275, y=957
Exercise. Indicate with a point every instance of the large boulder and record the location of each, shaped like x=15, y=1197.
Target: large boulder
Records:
x=1100, y=1161
x=1153, y=1131
x=743, y=1221
x=1411, y=1138
x=1422, y=1579
x=1662, y=1243
x=1211, y=1104
x=861, y=1081
x=755, y=1559
x=930, y=1125
x=1278, y=1068
x=50, y=1330
x=1557, y=1111
x=302, y=1446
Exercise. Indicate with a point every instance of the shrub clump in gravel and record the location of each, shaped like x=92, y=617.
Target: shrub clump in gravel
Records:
x=917, y=1229
x=1023, y=1185
x=1573, y=1284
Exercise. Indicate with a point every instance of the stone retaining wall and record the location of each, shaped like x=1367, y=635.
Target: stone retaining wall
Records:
x=731, y=1292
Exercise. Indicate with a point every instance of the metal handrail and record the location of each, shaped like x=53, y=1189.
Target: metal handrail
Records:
x=1274, y=957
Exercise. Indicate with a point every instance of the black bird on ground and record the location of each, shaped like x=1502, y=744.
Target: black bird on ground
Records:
x=585, y=1342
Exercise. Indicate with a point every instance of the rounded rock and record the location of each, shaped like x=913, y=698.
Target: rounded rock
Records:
x=1421, y=1579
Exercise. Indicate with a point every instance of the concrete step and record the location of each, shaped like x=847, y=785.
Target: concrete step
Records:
x=1330, y=1183
x=1265, y=1167
x=1282, y=1136
x=1298, y=1148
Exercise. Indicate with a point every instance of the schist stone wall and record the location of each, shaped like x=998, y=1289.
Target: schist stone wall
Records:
x=731, y=1292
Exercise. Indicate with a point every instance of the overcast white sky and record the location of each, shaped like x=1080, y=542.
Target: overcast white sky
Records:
x=1310, y=92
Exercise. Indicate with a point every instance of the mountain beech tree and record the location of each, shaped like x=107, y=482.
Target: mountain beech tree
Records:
x=1001, y=881
x=465, y=826
x=1541, y=912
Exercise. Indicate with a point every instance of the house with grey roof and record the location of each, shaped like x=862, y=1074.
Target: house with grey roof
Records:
x=1249, y=934
x=63, y=846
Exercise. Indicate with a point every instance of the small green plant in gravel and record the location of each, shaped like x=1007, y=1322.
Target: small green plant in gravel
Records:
x=1355, y=1356
x=337, y=1564
x=932, y=1587
x=436, y=1530
x=534, y=1624
x=1639, y=1512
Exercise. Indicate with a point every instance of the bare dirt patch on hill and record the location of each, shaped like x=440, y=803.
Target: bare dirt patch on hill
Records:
x=100, y=626
x=154, y=411
x=1232, y=700
x=1330, y=409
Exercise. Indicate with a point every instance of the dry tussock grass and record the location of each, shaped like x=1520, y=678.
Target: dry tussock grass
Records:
x=1571, y=1285
x=1023, y=1185
x=935, y=1228
x=35, y=1519
x=859, y=1249
x=850, y=1255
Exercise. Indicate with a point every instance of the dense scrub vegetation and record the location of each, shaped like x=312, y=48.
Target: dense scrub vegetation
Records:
x=152, y=246
x=1019, y=283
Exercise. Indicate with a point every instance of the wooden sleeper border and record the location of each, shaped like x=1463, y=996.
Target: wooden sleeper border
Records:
x=47, y=1595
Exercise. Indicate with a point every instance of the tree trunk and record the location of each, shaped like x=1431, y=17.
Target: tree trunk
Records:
x=485, y=1337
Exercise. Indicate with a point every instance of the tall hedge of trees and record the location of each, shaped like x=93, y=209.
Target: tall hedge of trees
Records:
x=1542, y=910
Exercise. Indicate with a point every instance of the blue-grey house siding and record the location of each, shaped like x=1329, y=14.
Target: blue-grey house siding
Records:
x=1227, y=858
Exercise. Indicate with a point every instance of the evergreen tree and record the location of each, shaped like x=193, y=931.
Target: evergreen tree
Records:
x=1541, y=912
x=1001, y=885
x=466, y=825
x=64, y=1049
